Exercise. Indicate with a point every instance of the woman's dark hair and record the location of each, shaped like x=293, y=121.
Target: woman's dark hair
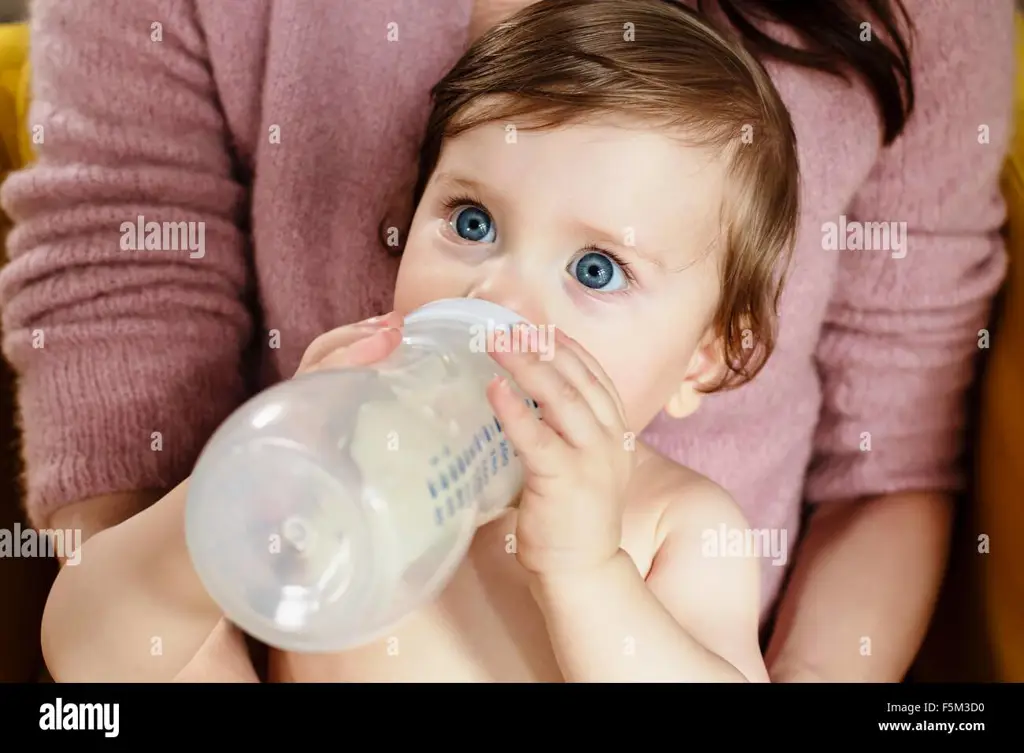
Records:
x=831, y=34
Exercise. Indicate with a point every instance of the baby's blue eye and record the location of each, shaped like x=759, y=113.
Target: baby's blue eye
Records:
x=598, y=272
x=473, y=224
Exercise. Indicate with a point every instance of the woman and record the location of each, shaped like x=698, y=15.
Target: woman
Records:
x=281, y=138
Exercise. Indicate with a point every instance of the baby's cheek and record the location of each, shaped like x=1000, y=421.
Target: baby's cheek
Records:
x=427, y=273
x=645, y=382
x=624, y=377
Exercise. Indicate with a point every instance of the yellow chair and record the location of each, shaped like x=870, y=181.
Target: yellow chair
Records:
x=15, y=136
x=1000, y=457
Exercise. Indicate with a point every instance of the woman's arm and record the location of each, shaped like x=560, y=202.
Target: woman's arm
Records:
x=126, y=360
x=896, y=358
x=862, y=590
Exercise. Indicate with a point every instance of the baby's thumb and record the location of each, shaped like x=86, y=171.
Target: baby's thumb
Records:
x=353, y=345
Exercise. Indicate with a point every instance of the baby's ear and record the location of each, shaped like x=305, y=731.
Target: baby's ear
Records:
x=706, y=367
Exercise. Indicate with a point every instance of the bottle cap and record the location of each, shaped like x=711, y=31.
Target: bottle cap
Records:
x=466, y=310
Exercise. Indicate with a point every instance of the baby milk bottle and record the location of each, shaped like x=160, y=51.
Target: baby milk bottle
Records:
x=331, y=505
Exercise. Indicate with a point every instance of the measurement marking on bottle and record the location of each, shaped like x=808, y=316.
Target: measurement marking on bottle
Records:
x=460, y=486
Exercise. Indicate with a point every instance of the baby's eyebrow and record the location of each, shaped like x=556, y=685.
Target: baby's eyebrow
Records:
x=450, y=180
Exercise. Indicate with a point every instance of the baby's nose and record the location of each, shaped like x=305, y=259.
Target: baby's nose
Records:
x=511, y=283
x=519, y=302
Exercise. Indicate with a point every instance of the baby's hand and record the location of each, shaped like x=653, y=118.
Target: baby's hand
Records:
x=358, y=344
x=575, y=463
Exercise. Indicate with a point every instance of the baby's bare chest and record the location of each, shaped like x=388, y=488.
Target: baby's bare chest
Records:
x=485, y=627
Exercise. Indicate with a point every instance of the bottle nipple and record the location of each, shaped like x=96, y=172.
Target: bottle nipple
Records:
x=295, y=531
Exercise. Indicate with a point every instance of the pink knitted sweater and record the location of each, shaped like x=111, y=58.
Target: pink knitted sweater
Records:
x=287, y=126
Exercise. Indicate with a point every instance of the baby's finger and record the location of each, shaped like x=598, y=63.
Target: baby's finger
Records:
x=343, y=337
x=539, y=448
x=568, y=358
x=590, y=363
x=372, y=349
x=565, y=408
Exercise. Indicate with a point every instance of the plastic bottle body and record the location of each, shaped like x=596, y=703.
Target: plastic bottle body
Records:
x=329, y=506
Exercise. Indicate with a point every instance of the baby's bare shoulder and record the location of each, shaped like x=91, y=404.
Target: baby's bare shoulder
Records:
x=714, y=598
x=685, y=502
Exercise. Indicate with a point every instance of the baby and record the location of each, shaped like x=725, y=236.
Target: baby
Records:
x=622, y=172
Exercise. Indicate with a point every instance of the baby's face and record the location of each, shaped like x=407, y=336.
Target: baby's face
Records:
x=608, y=231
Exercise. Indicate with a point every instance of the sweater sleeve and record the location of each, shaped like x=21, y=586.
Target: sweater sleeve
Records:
x=127, y=359
x=902, y=335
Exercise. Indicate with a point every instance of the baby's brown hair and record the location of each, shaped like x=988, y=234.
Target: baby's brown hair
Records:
x=559, y=62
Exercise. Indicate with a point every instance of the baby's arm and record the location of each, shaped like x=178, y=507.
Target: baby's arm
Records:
x=224, y=657
x=694, y=619
x=133, y=609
